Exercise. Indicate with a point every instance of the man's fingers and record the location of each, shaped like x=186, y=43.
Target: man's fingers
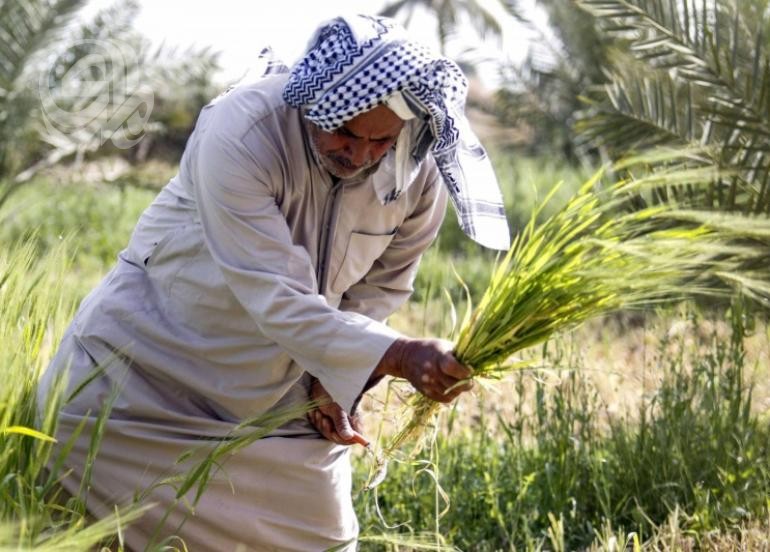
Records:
x=356, y=423
x=360, y=439
x=433, y=370
x=437, y=393
x=459, y=386
x=438, y=386
x=337, y=426
x=342, y=424
x=440, y=396
x=451, y=367
x=332, y=421
x=451, y=377
x=326, y=428
x=339, y=418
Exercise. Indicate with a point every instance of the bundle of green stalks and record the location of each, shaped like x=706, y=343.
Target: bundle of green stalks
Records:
x=591, y=258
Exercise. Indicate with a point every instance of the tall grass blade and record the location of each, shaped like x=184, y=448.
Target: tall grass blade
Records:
x=594, y=257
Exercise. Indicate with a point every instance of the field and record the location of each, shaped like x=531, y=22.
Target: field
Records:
x=648, y=429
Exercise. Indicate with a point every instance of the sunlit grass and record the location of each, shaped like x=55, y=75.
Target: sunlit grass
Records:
x=34, y=512
x=550, y=471
x=592, y=258
x=551, y=464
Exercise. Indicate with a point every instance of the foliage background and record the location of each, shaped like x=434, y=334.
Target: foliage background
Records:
x=645, y=429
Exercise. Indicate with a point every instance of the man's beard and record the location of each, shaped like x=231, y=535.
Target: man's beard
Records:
x=341, y=167
x=338, y=166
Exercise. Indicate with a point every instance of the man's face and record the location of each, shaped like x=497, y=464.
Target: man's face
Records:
x=359, y=144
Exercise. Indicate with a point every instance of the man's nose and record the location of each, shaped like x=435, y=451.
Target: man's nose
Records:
x=361, y=152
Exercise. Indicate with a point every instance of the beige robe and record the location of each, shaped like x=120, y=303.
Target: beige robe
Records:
x=249, y=271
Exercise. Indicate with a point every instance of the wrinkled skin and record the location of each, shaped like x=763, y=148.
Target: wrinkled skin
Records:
x=358, y=145
x=428, y=364
x=331, y=420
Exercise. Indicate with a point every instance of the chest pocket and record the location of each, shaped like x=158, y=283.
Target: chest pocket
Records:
x=152, y=256
x=362, y=251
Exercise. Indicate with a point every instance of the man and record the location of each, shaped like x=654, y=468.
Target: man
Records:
x=260, y=277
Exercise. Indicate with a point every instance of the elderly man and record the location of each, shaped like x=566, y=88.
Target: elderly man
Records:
x=260, y=277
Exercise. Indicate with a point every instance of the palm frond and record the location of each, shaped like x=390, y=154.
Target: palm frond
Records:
x=27, y=26
x=448, y=14
x=640, y=112
x=482, y=18
x=691, y=73
x=98, y=83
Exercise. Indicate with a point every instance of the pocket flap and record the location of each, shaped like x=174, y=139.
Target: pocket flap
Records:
x=362, y=251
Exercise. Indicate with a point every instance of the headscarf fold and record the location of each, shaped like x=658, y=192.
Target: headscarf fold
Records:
x=353, y=64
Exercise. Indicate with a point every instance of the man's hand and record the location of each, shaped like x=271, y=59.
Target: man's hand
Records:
x=332, y=421
x=429, y=365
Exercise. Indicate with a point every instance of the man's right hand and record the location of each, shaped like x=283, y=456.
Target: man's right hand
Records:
x=429, y=365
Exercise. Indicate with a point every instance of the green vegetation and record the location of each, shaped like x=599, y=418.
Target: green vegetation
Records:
x=591, y=258
x=556, y=457
x=542, y=465
x=35, y=513
x=678, y=459
x=686, y=75
x=524, y=182
x=70, y=86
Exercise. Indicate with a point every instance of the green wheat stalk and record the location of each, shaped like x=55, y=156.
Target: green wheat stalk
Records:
x=594, y=257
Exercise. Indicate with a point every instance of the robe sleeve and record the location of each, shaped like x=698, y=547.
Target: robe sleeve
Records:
x=273, y=279
x=389, y=282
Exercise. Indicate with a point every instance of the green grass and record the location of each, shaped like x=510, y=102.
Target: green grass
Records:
x=34, y=512
x=96, y=218
x=591, y=258
x=524, y=182
x=694, y=450
x=544, y=465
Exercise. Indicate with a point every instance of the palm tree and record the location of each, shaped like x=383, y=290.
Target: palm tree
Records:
x=564, y=59
x=28, y=28
x=448, y=14
x=50, y=108
x=686, y=74
x=693, y=77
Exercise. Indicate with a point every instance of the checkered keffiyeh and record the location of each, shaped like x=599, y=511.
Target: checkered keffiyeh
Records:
x=353, y=64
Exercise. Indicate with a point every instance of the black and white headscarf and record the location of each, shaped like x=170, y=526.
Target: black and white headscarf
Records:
x=352, y=64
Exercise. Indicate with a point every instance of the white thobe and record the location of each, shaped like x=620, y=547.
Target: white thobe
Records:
x=250, y=271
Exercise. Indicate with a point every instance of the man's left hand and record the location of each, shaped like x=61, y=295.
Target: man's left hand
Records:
x=331, y=420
